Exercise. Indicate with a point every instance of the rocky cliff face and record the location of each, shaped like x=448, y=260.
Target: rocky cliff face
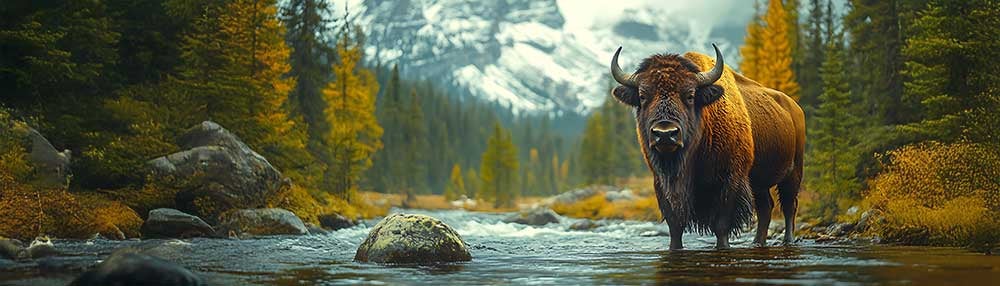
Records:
x=520, y=52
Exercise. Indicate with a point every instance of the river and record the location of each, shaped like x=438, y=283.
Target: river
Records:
x=619, y=252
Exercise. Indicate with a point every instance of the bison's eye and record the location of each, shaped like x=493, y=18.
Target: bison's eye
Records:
x=689, y=97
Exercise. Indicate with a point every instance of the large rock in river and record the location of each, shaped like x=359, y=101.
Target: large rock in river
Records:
x=171, y=223
x=411, y=238
x=217, y=172
x=261, y=222
x=127, y=268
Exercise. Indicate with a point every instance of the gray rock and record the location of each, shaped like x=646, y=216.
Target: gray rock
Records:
x=584, y=225
x=776, y=228
x=335, y=221
x=572, y=196
x=12, y=249
x=272, y=221
x=171, y=223
x=840, y=229
x=623, y=195
x=41, y=247
x=219, y=167
x=51, y=167
x=867, y=218
x=126, y=268
x=536, y=216
x=410, y=238
x=315, y=229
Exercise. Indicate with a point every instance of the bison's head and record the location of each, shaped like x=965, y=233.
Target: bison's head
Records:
x=668, y=92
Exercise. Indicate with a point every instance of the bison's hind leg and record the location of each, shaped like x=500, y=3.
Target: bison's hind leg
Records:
x=763, y=204
x=788, y=195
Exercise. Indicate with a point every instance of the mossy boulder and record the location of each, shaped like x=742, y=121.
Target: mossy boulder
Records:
x=251, y=222
x=412, y=239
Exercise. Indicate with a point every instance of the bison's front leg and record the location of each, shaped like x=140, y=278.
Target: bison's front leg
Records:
x=734, y=209
x=676, y=233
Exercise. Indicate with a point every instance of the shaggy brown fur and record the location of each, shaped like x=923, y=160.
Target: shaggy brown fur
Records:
x=740, y=140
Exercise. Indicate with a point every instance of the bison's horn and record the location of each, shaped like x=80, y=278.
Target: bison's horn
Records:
x=709, y=77
x=619, y=75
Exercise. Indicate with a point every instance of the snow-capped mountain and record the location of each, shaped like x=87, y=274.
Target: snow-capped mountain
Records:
x=523, y=52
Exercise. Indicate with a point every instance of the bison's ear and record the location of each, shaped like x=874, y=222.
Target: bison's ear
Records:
x=709, y=94
x=626, y=95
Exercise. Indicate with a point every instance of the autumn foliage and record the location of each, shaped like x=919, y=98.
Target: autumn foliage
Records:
x=767, y=54
x=939, y=194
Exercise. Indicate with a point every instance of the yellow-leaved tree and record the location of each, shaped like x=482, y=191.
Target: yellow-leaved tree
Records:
x=767, y=51
x=456, y=184
x=354, y=134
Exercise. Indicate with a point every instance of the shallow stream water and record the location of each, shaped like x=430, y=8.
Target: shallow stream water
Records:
x=615, y=253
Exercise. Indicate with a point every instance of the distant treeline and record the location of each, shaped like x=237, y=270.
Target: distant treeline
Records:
x=431, y=133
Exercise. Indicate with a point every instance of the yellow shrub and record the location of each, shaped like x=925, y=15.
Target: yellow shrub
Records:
x=111, y=218
x=940, y=194
x=598, y=207
x=308, y=207
x=142, y=200
x=297, y=200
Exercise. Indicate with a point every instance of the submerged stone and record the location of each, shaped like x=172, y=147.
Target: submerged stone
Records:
x=126, y=268
x=12, y=249
x=412, y=238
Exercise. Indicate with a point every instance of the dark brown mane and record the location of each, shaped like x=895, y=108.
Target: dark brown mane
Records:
x=661, y=61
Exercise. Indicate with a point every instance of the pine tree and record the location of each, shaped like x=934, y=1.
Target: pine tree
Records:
x=775, y=56
x=473, y=184
x=531, y=175
x=354, y=134
x=812, y=50
x=232, y=71
x=767, y=52
x=951, y=70
x=499, y=169
x=414, y=131
x=456, y=184
x=309, y=60
x=876, y=43
x=594, y=166
x=834, y=153
x=750, y=52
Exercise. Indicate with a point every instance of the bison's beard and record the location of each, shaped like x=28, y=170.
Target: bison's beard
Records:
x=673, y=186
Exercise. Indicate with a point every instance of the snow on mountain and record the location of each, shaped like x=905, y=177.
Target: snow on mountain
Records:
x=523, y=52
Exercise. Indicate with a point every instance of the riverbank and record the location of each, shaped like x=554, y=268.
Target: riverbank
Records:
x=616, y=252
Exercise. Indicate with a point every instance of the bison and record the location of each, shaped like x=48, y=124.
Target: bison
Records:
x=716, y=142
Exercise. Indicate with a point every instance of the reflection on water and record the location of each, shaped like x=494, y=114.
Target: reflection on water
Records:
x=613, y=253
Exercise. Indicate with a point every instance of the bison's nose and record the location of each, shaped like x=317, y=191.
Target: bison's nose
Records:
x=665, y=135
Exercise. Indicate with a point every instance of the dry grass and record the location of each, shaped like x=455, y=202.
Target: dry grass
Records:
x=598, y=207
x=438, y=202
